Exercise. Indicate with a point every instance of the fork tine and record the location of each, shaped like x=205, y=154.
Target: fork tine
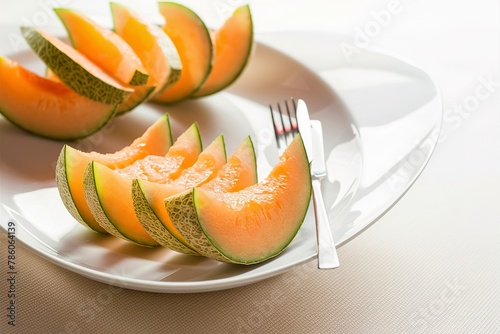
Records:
x=296, y=129
x=293, y=125
x=282, y=123
x=275, y=128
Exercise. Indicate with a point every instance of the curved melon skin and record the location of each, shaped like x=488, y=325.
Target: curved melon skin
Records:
x=233, y=46
x=74, y=69
x=139, y=95
x=254, y=224
x=152, y=45
x=71, y=164
x=48, y=109
x=150, y=220
x=103, y=47
x=116, y=213
x=149, y=196
x=194, y=44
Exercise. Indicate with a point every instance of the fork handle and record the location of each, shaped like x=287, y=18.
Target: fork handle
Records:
x=327, y=253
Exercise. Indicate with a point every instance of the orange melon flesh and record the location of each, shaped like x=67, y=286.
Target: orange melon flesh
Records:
x=238, y=173
x=149, y=196
x=46, y=108
x=258, y=222
x=116, y=213
x=192, y=40
x=103, y=47
x=233, y=45
x=151, y=44
x=74, y=69
x=71, y=165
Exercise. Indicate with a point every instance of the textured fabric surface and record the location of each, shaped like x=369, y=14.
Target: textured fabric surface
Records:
x=430, y=265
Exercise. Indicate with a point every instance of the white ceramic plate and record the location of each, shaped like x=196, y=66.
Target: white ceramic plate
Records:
x=381, y=117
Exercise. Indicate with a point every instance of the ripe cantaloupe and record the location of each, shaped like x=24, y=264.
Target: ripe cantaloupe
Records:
x=152, y=45
x=192, y=40
x=46, y=108
x=233, y=45
x=109, y=192
x=109, y=51
x=239, y=172
x=251, y=225
x=74, y=69
x=71, y=165
x=103, y=47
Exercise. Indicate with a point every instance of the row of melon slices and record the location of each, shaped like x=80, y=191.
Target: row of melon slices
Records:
x=157, y=192
x=109, y=72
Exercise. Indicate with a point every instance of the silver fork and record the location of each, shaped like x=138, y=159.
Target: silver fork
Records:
x=285, y=128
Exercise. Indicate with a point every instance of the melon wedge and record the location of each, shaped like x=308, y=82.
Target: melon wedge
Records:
x=233, y=45
x=102, y=184
x=74, y=69
x=152, y=45
x=46, y=108
x=109, y=51
x=251, y=225
x=103, y=47
x=149, y=196
x=71, y=165
x=192, y=40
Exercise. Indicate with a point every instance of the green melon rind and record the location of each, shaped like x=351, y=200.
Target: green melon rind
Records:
x=92, y=197
x=140, y=94
x=64, y=190
x=79, y=79
x=182, y=211
x=152, y=224
x=138, y=79
x=174, y=60
x=200, y=93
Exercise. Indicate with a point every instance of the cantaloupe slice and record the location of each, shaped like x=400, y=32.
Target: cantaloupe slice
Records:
x=239, y=172
x=233, y=45
x=152, y=45
x=192, y=40
x=74, y=69
x=71, y=165
x=46, y=108
x=148, y=196
x=103, y=47
x=251, y=225
x=109, y=51
x=109, y=192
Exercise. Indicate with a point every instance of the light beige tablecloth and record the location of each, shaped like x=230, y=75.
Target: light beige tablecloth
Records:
x=430, y=265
